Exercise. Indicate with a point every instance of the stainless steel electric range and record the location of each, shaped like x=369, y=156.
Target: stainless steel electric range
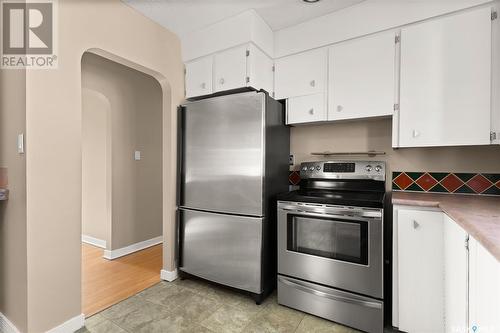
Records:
x=330, y=243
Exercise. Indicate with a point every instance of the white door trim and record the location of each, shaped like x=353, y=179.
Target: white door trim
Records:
x=169, y=275
x=6, y=326
x=113, y=254
x=94, y=241
x=70, y=326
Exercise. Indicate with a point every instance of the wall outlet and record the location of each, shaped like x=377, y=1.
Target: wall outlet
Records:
x=137, y=155
x=291, y=160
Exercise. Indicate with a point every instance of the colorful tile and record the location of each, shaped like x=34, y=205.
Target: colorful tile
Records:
x=465, y=190
x=426, y=182
x=403, y=181
x=294, y=178
x=479, y=183
x=3, y=178
x=465, y=177
x=414, y=175
x=451, y=182
x=447, y=182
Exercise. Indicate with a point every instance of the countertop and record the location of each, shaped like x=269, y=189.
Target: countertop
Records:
x=478, y=215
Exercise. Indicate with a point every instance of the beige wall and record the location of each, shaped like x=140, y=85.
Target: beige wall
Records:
x=366, y=135
x=54, y=140
x=135, y=121
x=13, y=255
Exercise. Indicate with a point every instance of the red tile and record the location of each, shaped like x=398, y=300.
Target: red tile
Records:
x=426, y=182
x=403, y=181
x=479, y=183
x=498, y=184
x=451, y=182
x=294, y=178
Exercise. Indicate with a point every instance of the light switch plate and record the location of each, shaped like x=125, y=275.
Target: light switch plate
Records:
x=20, y=144
x=137, y=155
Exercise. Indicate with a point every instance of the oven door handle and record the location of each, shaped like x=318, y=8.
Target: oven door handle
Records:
x=358, y=215
x=338, y=298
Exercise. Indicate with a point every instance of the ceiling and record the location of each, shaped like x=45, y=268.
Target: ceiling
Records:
x=184, y=16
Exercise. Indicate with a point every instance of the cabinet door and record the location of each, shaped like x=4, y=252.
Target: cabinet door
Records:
x=306, y=109
x=199, y=77
x=260, y=70
x=445, y=81
x=302, y=74
x=230, y=68
x=361, y=77
x=420, y=271
x=455, y=277
x=484, y=307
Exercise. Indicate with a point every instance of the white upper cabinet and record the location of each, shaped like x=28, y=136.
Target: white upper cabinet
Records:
x=238, y=67
x=260, y=70
x=301, y=74
x=230, y=69
x=306, y=109
x=445, y=86
x=362, y=77
x=199, y=77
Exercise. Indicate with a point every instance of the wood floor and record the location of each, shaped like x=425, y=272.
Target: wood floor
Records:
x=107, y=282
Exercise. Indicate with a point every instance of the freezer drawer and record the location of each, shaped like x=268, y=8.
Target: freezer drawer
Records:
x=226, y=249
x=359, y=312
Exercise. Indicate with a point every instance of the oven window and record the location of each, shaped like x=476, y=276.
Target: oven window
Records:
x=328, y=238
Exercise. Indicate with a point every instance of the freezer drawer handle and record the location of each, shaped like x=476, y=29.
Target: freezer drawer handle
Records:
x=339, y=298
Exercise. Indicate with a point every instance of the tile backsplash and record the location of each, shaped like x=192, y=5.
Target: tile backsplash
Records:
x=447, y=182
x=3, y=178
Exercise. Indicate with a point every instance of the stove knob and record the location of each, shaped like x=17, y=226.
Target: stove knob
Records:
x=368, y=168
x=378, y=168
x=304, y=168
x=318, y=167
x=311, y=168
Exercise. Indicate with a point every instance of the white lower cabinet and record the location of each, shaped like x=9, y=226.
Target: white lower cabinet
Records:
x=484, y=291
x=420, y=270
x=455, y=277
x=443, y=279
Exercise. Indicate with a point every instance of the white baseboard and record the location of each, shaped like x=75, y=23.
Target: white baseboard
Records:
x=6, y=326
x=70, y=326
x=113, y=254
x=169, y=275
x=94, y=241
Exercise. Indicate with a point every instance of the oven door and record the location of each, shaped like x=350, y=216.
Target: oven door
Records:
x=336, y=246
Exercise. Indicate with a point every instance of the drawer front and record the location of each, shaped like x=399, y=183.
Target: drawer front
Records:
x=222, y=248
x=342, y=307
x=306, y=109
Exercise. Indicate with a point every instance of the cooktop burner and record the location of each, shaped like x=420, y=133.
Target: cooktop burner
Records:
x=345, y=183
x=340, y=198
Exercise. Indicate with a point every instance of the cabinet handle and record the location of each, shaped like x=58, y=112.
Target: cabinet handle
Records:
x=340, y=108
x=203, y=85
x=311, y=111
x=416, y=225
x=313, y=83
x=221, y=81
x=416, y=134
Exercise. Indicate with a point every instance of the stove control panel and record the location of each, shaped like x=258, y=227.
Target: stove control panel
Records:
x=343, y=170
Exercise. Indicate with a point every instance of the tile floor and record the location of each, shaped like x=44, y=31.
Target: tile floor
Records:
x=195, y=306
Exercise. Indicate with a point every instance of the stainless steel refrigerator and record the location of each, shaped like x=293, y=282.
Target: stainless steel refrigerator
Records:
x=234, y=153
